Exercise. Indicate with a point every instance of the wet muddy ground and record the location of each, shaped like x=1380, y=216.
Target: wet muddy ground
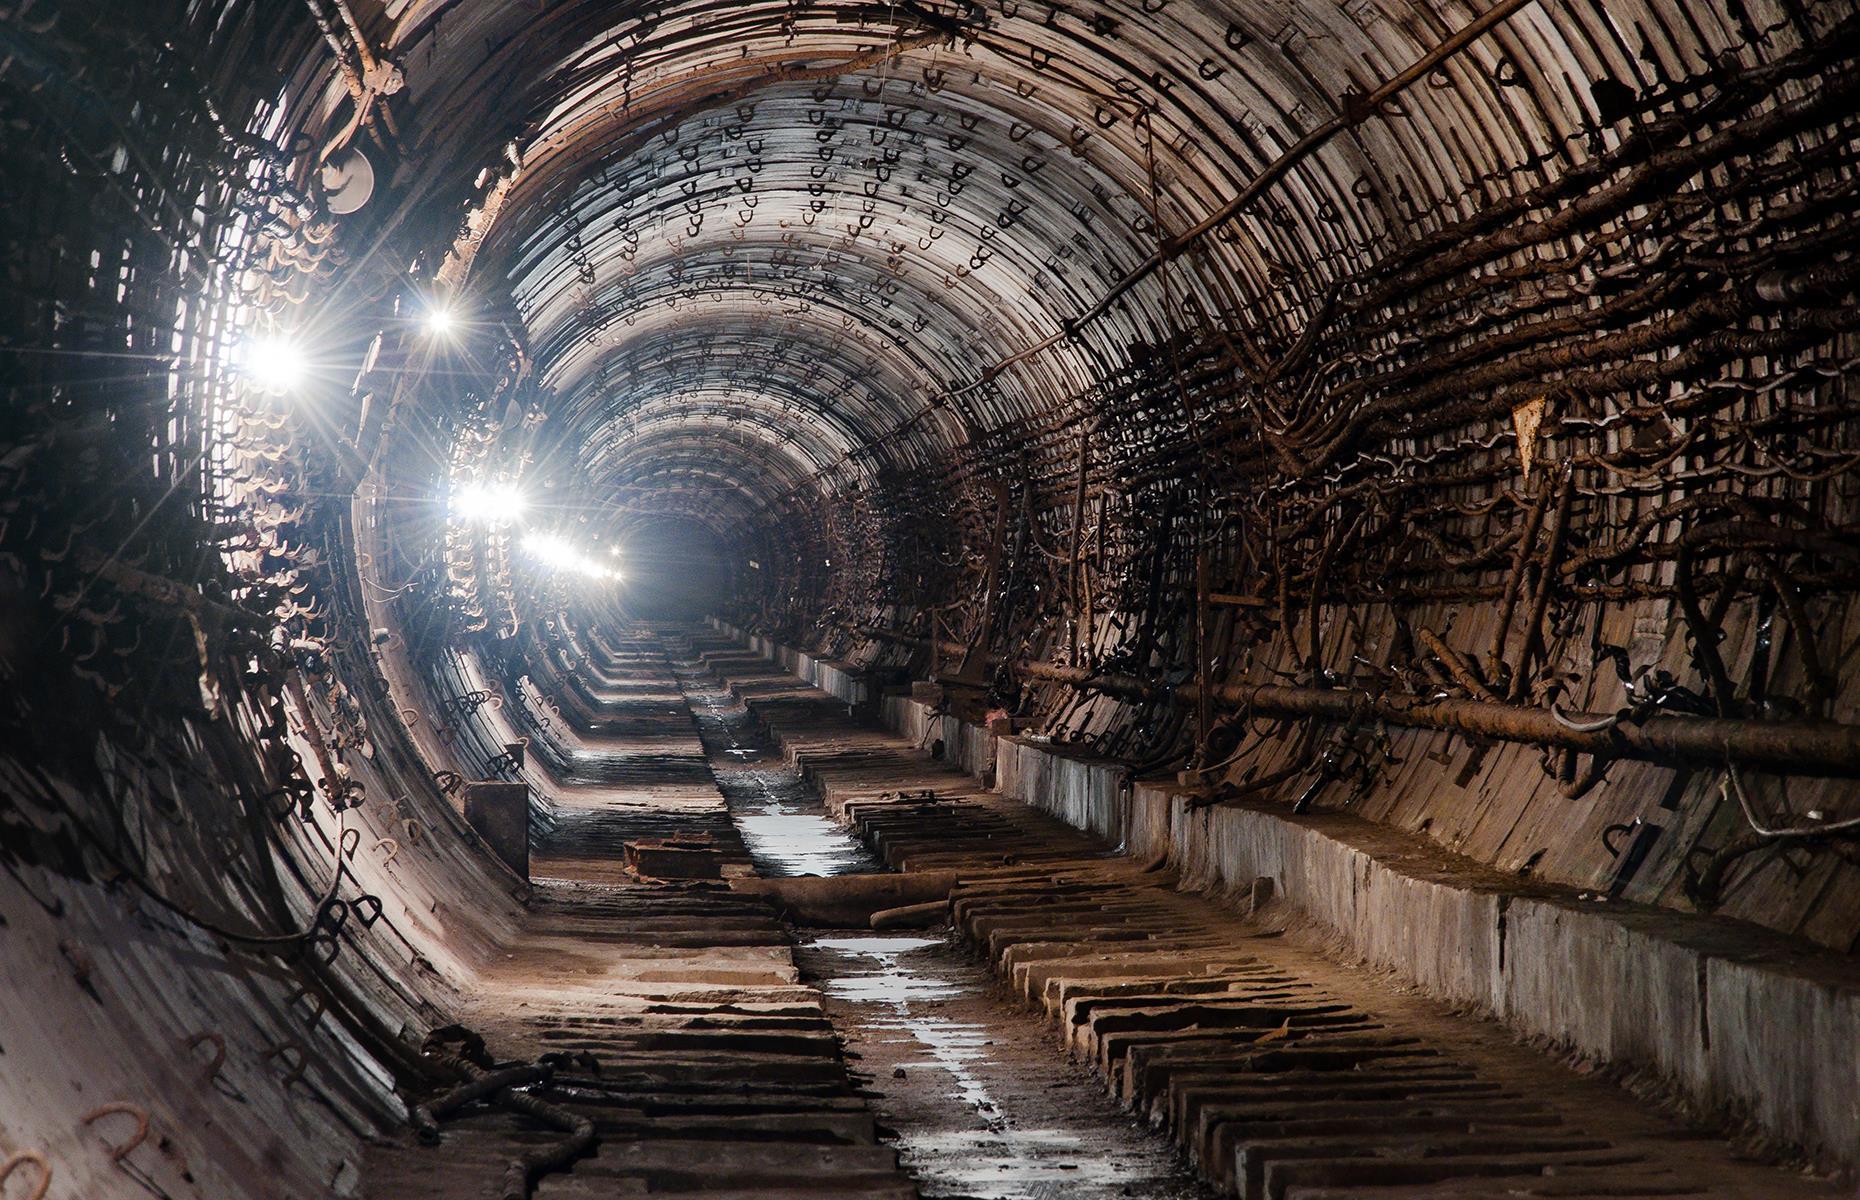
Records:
x=980, y=1100
x=973, y=1092
x=782, y=822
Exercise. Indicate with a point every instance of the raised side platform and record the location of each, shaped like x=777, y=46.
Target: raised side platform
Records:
x=1733, y=1020
x=840, y=680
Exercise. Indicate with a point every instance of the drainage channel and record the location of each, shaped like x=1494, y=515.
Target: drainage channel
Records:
x=783, y=824
x=977, y=1099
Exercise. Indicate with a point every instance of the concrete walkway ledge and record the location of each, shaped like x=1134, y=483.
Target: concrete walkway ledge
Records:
x=841, y=680
x=1736, y=1022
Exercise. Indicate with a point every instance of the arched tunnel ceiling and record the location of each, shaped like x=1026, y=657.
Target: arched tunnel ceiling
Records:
x=837, y=215
x=1436, y=413
x=1034, y=326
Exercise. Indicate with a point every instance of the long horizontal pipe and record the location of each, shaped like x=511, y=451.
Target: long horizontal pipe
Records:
x=1788, y=747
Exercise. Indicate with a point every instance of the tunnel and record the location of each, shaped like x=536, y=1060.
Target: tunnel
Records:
x=984, y=599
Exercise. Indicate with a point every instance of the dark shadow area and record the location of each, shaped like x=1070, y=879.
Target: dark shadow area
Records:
x=675, y=569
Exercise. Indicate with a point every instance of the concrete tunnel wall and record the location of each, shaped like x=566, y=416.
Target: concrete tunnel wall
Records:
x=252, y=648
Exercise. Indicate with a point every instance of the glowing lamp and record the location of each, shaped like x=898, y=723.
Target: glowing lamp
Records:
x=487, y=503
x=273, y=362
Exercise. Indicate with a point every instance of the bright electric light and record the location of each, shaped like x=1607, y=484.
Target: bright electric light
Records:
x=440, y=322
x=487, y=503
x=556, y=553
x=273, y=362
x=549, y=549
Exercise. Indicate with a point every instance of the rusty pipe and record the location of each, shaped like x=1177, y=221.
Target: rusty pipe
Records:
x=1787, y=747
x=1807, y=748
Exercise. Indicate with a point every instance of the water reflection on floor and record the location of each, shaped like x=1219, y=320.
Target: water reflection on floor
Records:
x=981, y=1101
x=783, y=842
x=783, y=824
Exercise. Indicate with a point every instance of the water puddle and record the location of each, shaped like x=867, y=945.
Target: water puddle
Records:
x=980, y=1103
x=783, y=842
x=885, y=981
x=784, y=827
